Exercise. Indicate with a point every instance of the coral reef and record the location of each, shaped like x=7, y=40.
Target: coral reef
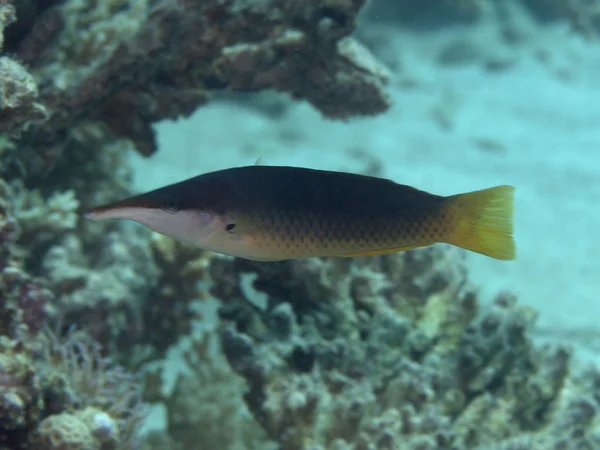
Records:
x=120, y=283
x=103, y=291
x=25, y=300
x=86, y=390
x=206, y=404
x=183, y=270
x=392, y=352
x=129, y=64
x=133, y=291
x=56, y=392
x=19, y=107
x=60, y=393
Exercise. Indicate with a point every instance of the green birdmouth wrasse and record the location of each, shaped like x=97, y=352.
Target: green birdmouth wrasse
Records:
x=273, y=213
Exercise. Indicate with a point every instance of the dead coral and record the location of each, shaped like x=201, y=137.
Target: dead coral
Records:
x=391, y=352
x=25, y=300
x=132, y=289
x=42, y=220
x=104, y=292
x=132, y=63
x=168, y=312
x=19, y=107
x=206, y=404
x=21, y=395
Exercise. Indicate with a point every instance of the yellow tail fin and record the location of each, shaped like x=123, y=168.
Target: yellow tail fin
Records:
x=484, y=222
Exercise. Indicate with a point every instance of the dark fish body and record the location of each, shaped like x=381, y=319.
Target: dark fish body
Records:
x=274, y=213
x=305, y=213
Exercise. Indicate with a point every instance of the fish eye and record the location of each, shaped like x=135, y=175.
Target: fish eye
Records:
x=229, y=227
x=169, y=205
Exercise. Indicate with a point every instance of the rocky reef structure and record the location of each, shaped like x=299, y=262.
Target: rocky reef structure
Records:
x=391, y=352
x=56, y=391
x=128, y=64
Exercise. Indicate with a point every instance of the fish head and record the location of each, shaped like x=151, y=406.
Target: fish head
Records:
x=174, y=211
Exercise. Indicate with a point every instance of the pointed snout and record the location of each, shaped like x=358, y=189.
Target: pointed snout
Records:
x=132, y=208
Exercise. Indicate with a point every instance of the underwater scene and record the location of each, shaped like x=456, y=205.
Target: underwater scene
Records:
x=299, y=225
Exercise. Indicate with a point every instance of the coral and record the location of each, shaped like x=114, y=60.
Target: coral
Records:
x=393, y=352
x=118, y=281
x=18, y=90
x=25, y=300
x=41, y=220
x=90, y=429
x=18, y=94
x=9, y=229
x=21, y=395
x=129, y=63
x=182, y=272
x=61, y=393
x=104, y=290
x=385, y=352
x=205, y=404
x=158, y=440
x=132, y=289
x=92, y=165
x=63, y=432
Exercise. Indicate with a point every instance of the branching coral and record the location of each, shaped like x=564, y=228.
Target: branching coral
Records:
x=169, y=312
x=391, y=352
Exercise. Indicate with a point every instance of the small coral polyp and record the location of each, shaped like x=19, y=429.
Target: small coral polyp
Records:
x=88, y=429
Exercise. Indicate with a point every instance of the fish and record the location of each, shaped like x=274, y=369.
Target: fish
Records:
x=276, y=213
